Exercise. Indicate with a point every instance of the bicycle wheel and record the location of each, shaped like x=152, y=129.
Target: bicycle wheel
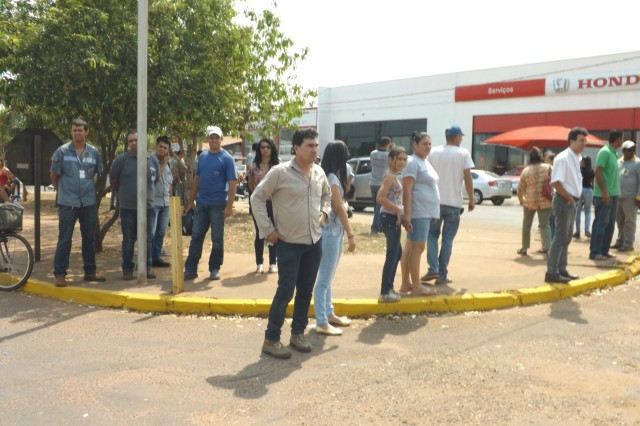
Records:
x=16, y=261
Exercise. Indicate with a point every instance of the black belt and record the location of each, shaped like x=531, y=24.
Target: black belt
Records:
x=575, y=199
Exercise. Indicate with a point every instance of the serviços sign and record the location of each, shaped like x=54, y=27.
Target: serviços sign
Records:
x=551, y=85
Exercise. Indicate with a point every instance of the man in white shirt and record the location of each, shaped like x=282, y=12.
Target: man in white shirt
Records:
x=566, y=179
x=453, y=165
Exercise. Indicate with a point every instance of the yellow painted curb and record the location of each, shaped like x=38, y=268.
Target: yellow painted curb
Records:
x=351, y=307
x=85, y=296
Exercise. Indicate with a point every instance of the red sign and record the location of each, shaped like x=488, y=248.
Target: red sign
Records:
x=509, y=89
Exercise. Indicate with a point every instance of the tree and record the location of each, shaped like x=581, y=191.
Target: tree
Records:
x=62, y=59
x=10, y=125
x=273, y=98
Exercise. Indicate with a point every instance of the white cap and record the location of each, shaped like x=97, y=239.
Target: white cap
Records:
x=628, y=145
x=214, y=130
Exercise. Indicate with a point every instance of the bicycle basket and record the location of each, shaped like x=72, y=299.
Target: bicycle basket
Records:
x=10, y=217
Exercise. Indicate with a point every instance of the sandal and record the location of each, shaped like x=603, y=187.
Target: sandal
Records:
x=425, y=291
x=405, y=288
x=522, y=252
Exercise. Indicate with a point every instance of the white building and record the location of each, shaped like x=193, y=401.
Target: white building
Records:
x=598, y=93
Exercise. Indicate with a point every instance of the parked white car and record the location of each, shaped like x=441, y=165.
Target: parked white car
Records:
x=488, y=185
x=359, y=197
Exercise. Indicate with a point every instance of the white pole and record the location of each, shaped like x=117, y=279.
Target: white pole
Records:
x=143, y=14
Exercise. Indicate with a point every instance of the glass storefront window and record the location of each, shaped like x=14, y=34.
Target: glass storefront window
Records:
x=362, y=138
x=496, y=158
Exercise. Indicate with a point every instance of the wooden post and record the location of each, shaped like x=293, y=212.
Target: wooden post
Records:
x=175, y=216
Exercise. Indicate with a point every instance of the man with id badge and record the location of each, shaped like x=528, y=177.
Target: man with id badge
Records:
x=73, y=168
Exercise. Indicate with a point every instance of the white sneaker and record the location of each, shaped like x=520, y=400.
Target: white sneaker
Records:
x=273, y=268
x=259, y=269
x=328, y=330
x=389, y=298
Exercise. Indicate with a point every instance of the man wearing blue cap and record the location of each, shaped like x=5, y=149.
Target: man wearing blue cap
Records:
x=453, y=165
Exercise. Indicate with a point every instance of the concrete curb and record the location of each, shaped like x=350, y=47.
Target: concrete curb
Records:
x=350, y=307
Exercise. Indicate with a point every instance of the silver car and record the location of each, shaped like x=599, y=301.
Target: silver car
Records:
x=488, y=185
x=359, y=195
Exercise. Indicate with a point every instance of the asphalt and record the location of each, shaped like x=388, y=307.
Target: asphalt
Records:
x=486, y=272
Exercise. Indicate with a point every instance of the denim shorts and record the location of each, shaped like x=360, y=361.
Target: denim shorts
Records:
x=420, y=229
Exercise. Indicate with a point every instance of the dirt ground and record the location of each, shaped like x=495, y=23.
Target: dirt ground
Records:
x=484, y=258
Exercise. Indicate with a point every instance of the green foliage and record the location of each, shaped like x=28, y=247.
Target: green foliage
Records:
x=65, y=59
x=273, y=98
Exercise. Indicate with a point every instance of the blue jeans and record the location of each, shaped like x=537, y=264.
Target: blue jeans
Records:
x=586, y=201
x=565, y=216
x=67, y=217
x=159, y=230
x=258, y=243
x=394, y=250
x=603, y=226
x=332, y=239
x=297, y=270
x=449, y=222
x=206, y=216
x=129, y=226
x=375, y=226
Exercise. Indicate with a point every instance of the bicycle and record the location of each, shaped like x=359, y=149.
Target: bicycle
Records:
x=16, y=255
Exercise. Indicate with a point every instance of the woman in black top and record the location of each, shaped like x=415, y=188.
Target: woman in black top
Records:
x=586, y=199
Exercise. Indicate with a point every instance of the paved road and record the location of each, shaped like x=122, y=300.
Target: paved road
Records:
x=571, y=362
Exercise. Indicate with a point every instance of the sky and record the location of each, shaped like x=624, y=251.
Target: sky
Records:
x=360, y=41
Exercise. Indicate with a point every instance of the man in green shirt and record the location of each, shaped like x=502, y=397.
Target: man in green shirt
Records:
x=605, y=198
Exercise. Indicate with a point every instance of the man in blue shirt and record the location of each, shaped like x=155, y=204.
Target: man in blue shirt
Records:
x=215, y=187
x=73, y=168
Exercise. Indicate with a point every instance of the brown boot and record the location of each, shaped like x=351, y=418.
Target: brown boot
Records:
x=61, y=281
x=94, y=277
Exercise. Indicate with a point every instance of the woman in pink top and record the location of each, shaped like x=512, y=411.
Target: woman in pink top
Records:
x=533, y=201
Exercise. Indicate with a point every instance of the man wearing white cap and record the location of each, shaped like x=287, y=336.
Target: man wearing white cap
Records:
x=629, y=168
x=215, y=187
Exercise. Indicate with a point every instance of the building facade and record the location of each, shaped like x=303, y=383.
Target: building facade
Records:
x=598, y=93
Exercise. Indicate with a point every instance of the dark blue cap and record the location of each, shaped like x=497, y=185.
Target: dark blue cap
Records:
x=453, y=131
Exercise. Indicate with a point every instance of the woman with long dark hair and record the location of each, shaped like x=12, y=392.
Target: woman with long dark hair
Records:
x=334, y=164
x=266, y=157
x=586, y=198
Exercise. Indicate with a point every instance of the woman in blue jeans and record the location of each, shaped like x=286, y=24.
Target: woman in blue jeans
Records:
x=334, y=164
x=586, y=198
x=391, y=217
x=265, y=158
